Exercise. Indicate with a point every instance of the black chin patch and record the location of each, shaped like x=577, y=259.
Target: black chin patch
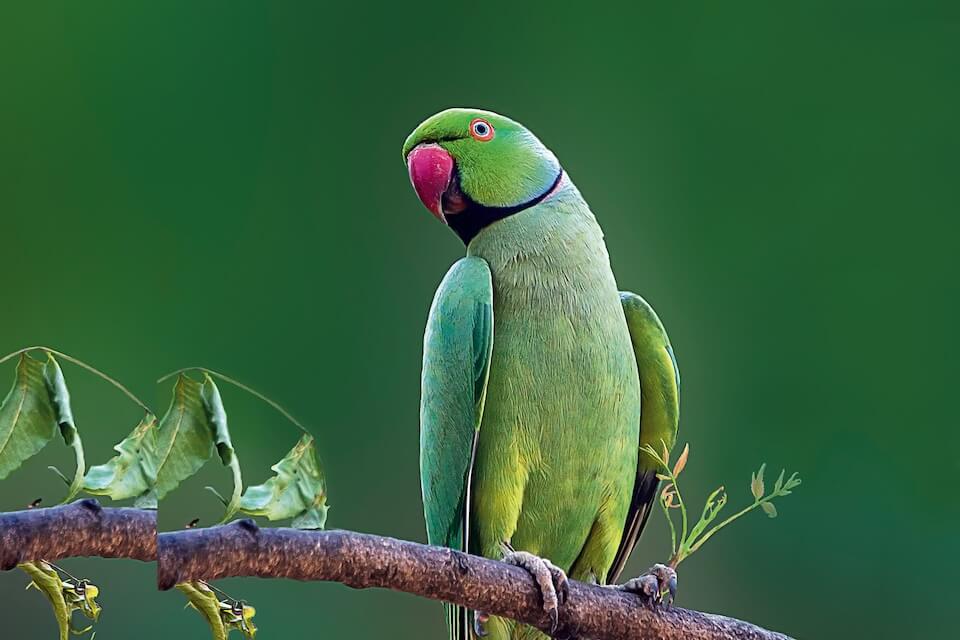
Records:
x=472, y=217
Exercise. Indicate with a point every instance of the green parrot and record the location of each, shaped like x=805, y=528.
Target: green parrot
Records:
x=540, y=380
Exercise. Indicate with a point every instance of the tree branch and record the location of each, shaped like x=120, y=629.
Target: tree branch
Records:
x=361, y=561
x=81, y=528
x=84, y=528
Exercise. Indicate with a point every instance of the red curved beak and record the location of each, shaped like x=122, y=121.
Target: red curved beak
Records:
x=431, y=169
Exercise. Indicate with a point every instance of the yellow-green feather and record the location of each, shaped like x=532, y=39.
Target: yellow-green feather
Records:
x=558, y=446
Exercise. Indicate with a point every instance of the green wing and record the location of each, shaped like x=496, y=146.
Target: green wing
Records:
x=458, y=344
x=659, y=414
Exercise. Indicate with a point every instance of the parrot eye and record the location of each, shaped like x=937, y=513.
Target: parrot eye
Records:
x=481, y=130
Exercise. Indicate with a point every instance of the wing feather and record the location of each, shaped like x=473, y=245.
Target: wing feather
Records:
x=659, y=415
x=458, y=344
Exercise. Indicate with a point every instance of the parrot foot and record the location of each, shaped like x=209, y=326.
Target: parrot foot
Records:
x=480, y=624
x=550, y=578
x=651, y=585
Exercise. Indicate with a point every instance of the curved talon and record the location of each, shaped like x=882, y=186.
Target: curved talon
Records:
x=672, y=588
x=651, y=585
x=667, y=576
x=560, y=581
x=552, y=581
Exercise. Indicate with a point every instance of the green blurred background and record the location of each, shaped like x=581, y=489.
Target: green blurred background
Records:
x=220, y=184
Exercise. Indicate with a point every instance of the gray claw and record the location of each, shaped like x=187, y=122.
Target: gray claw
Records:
x=667, y=576
x=563, y=584
x=672, y=588
x=480, y=624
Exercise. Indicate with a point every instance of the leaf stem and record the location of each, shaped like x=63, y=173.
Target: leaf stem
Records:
x=721, y=525
x=286, y=414
x=81, y=363
x=62, y=570
x=673, y=529
x=220, y=591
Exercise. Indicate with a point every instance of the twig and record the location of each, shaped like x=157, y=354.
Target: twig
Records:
x=81, y=528
x=362, y=561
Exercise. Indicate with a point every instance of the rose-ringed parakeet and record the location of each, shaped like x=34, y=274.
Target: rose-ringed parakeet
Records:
x=540, y=380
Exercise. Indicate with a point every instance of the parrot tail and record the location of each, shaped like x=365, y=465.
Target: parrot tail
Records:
x=458, y=622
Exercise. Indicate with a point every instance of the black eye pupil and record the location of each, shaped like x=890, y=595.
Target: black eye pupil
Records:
x=480, y=128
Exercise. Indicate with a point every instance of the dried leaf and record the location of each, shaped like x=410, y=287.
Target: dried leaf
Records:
x=756, y=483
x=681, y=461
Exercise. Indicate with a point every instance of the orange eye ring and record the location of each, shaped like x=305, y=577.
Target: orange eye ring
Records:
x=481, y=130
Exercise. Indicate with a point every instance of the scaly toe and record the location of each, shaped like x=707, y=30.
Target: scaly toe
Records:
x=560, y=581
x=646, y=586
x=657, y=586
x=551, y=580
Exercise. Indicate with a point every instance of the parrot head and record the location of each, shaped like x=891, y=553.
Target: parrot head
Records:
x=471, y=168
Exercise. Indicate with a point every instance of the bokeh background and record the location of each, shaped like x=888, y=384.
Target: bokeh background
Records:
x=220, y=184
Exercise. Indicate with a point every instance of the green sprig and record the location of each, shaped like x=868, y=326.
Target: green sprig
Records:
x=670, y=499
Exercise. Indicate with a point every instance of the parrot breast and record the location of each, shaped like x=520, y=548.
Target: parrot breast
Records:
x=557, y=448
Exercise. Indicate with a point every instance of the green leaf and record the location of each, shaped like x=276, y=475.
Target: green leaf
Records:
x=792, y=483
x=223, y=616
x=184, y=438
x=147, y=500
x=133, y=471
x=217, y=417
x=756, y=482
x=60, y=402
x=711, y=509
x=779, y=483
x=769, y=509
x=27, y=418
x=65, y=596
x=297, y=491
x=205, y=602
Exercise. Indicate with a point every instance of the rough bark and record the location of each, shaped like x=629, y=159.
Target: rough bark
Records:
x=361, y=561
x=81, y=528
